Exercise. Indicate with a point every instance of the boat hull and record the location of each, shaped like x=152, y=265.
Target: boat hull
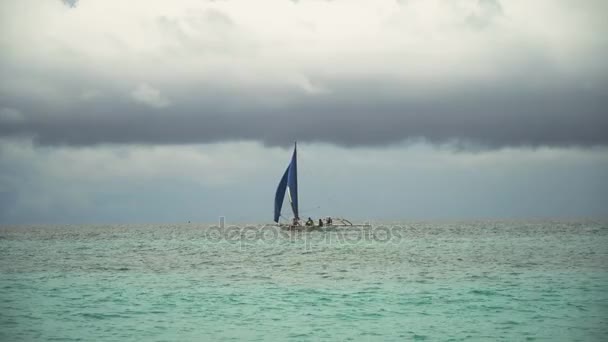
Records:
x=322, y=228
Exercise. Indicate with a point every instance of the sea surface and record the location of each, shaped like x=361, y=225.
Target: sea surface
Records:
x=439, y=281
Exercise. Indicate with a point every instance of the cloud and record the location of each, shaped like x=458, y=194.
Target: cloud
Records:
x=487, y=11
x=90, y=94
x=483, y=72
x=70, y=3
x=118, y=183
x=146, y=94
x=10, y=115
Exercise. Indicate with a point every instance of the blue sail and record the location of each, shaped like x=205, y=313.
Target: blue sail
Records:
x=292, y=183
x=289, y=182
x=280, y=195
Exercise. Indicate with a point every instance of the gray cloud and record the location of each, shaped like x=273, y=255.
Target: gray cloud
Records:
x=121, y=183
x=494, y=115
x=70, y=3
x=479, y=75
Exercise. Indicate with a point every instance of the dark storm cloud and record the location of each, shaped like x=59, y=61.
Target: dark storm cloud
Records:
x=364, y=114
x=202, y=76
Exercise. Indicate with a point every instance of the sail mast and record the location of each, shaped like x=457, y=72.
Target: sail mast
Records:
x=292, y=182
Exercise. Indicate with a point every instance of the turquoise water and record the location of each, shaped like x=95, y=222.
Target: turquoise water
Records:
x=538, y=280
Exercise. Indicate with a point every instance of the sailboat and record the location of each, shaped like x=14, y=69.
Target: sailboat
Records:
x=289, y=185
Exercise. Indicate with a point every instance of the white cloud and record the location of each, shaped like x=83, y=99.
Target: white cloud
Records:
x=304, y=84
x=150, y=96
x=253, y=43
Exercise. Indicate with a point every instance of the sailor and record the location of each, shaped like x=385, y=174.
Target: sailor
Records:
x=328, y=221
x=320, y=223
x=295, y=222
x=310, y=222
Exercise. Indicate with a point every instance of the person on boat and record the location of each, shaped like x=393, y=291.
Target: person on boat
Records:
x=310, y=222
x=295, y=222
x=320, y=223
x=328, y=221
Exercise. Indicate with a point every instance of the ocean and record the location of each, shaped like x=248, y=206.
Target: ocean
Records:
x=439, y=281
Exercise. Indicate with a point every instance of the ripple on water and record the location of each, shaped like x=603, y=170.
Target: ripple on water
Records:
x=468, y=280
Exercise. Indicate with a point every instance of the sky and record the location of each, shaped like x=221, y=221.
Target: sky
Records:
x=118, y=111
